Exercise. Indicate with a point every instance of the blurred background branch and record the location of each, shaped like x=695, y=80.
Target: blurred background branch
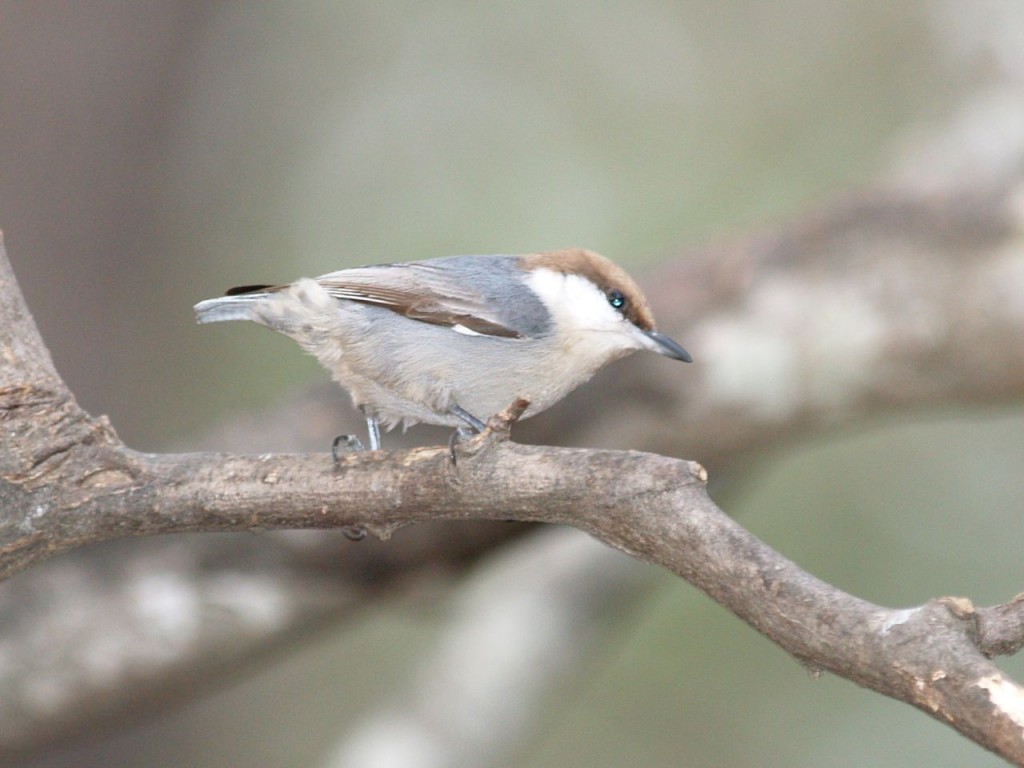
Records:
x=151, y=157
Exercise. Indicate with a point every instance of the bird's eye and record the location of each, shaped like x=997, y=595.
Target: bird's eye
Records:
x=616, y=299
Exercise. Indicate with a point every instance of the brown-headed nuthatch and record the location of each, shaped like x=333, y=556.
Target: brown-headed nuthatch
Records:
x=451, y=341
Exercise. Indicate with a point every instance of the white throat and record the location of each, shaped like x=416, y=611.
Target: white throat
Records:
x=590, y=332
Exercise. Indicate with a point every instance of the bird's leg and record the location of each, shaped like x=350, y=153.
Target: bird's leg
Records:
x=469, y=418
x=475, y=425
x=353, y=443
x=373, y=428
x=457, y=434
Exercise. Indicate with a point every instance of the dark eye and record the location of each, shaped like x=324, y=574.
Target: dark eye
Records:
x=616, y=299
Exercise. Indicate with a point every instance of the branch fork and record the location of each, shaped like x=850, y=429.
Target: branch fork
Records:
x=67, y=480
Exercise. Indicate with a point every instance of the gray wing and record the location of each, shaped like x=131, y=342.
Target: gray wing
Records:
x=482, y=295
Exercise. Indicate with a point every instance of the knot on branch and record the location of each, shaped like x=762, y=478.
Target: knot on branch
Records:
x=1001, y=628
x=500, y=424
x=498, y=430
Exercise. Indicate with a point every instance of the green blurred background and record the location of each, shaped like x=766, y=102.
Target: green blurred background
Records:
x=155, y=153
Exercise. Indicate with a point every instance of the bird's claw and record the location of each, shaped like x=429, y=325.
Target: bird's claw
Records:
x=345, y=444
x=459, y=434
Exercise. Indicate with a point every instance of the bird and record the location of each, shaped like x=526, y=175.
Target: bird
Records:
x=453, y=340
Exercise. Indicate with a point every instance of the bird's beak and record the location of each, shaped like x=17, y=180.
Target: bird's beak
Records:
x=663, y=345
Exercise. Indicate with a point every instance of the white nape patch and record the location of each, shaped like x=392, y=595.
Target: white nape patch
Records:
x=311, y=294
x=459, y=328
x=792, y=345
x=1005, y=695
x=575, y=302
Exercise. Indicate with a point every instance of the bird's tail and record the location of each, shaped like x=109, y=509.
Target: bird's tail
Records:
x=231, y=307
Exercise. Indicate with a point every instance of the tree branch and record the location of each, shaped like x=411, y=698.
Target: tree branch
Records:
x=652, y=507
x=66, y=480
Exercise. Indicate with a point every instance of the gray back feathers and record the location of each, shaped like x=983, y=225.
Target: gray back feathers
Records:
x=481, y=294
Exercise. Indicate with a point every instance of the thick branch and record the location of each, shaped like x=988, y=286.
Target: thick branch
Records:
x=920, y=334
x=24, y=359
x=652, y=507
